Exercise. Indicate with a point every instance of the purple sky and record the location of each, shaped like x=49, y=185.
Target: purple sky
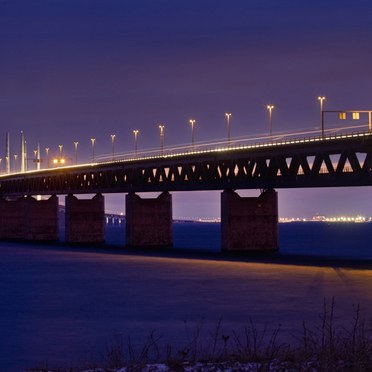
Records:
x=72, y=70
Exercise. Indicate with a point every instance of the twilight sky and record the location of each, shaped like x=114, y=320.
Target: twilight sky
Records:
x=76, y=69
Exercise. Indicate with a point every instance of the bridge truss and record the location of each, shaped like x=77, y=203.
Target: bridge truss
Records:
x=331, y=161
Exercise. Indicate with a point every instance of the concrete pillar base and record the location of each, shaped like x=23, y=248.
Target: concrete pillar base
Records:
x=149, y=221
x=29, y=219
x=85, y=219
x=249, y=224
x=12, y=219
x=41, y=222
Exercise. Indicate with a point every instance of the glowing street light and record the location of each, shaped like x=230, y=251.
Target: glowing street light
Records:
x=228, y=114
x=113, y=136
x=1, y=159
x=93, y=140
x=192, y=123
x=36, y=159
x=47, y=155
x=161, y=127
x=270, y=108
x=23, y=152
x=135, y=132
x=59, y=161
x=15, y=162
x=321, y=99
x=76, y=144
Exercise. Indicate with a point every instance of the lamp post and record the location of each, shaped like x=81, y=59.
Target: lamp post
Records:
x=135, y=132
x=270, y=108
x=161, y=128
x=60, y=151
x=192, y=123
x=23, y=155
x=228, y=114
x=47, y=155
x=35, y=159
x=113, y=136
x=38, y=158
x=76, y=144
x=321, y=99
x=93, y=140
x=25, y=158
x=1, y=159
x=15, y=163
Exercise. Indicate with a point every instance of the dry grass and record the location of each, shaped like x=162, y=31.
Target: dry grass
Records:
x=326, y=346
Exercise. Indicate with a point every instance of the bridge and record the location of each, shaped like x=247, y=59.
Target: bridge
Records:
x=328, y=160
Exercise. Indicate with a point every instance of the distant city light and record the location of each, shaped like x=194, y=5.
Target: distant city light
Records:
x=340, y=219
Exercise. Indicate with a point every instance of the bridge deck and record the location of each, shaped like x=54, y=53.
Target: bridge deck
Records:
x=338, y=160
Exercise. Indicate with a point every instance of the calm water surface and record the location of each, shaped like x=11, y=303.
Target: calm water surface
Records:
x=352, y=240
x=60, y=306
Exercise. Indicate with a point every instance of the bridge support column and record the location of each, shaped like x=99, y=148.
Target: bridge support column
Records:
x=41, y=218
x=149, y=221
x=85, y=219
x=12, y=219
x=249, y=224
x=29, y=219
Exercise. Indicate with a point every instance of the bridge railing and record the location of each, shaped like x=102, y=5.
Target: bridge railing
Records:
x=237, y=143
x=259, y=141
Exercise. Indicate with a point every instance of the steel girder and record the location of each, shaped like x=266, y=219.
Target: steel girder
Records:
x=338, y=162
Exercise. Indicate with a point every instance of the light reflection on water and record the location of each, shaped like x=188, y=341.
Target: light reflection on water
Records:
x=60, y=306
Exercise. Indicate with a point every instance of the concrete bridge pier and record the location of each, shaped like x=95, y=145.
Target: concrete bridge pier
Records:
x=149, y=221
x=12, y=219
x=249, y=224
x=41, y=218
x=29, y=219
x=85, y=219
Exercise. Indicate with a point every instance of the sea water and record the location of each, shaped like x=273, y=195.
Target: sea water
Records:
x=318, y=239
x=62, y=306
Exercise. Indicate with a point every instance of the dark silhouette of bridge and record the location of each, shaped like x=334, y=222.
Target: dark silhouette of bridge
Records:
x=332, y=161
x=324, y=161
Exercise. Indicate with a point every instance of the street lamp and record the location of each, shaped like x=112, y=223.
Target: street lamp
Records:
x=113, y=145
x=93, y=140
x=47, y=155
x=1, y=159
x=76, y=143
x=192, y=123
x=321, y=99
x=161, y=127
x=270, y=108
x=60, y=151
x=228, y=114
x=36, y=158
x=15, y=162
x=25, y=157
x=135, y=132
